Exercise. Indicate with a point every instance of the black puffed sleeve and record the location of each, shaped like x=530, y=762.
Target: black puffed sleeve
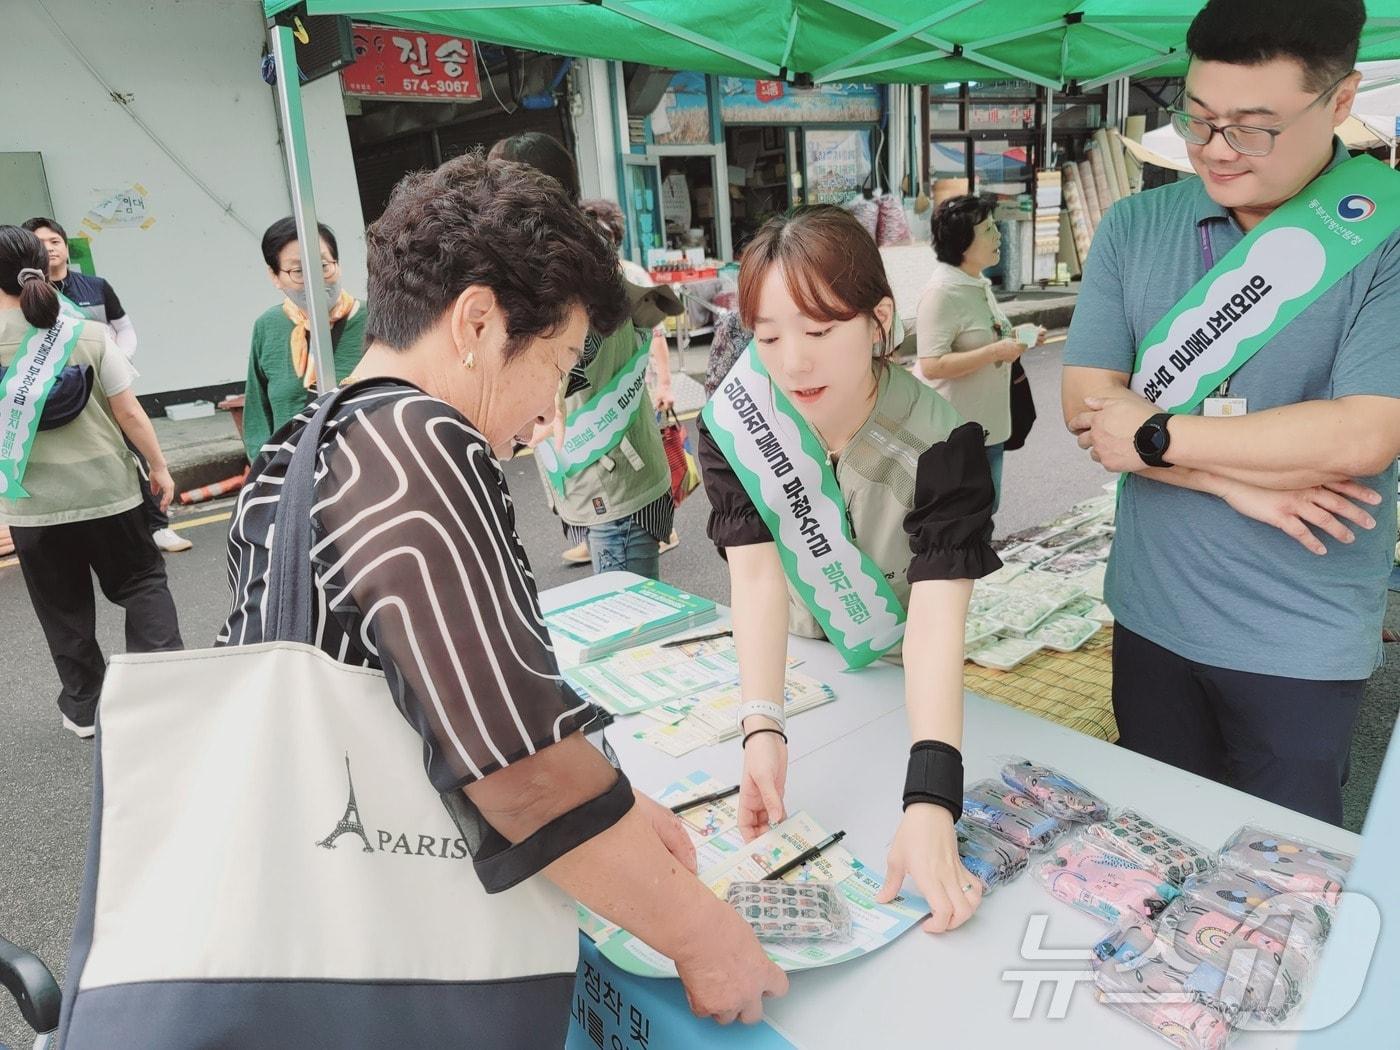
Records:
x=734, y=520
x=950, y=525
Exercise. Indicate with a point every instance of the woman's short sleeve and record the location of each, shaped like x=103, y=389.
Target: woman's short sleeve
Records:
x=115, y=370
x=950, y=524
x=734, y=520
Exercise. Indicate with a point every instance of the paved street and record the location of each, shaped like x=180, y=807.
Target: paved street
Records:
x=45, y=779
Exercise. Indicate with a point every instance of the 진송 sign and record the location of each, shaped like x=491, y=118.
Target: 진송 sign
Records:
x=399, y=63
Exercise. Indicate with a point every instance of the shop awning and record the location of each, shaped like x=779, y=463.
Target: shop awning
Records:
x=884, y=41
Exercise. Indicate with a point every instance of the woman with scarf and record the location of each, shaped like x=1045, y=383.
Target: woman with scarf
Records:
x=281, y=368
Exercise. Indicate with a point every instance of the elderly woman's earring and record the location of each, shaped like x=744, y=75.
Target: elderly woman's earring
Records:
x=470, y=360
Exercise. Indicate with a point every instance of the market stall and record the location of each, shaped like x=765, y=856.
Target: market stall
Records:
x=974, y=986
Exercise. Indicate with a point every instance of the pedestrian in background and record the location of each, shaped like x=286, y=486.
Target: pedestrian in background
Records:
x=69, y=493
x=96, y=298
x=282, y=376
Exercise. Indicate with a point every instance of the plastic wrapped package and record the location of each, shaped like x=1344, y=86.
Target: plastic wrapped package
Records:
x=1002, y=654
x=1148, y=844
x=1259, y=972
x=994, y=860
x=1052, y=791
x=1287, y=863
x=985, y=598
x=994, y=807
x=1136, y=974
x=792, y=911
x=1112, y=889
x=1297, y=918
x=1022, y=613
x=1065, y=633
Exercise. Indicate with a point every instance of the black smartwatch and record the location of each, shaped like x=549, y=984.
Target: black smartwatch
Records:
x=1153, y=439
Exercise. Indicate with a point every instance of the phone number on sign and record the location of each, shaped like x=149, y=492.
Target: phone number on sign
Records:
x=455, y=87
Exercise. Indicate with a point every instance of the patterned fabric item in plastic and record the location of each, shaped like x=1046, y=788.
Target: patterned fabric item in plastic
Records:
x=992, y=805
x=1054, y=792
x=1151, y=845
x=1140, y=976
x=1288, y=864
x=1109, y=887
x=994, y=860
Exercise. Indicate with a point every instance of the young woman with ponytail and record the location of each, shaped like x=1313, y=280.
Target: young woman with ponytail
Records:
x=68, y=485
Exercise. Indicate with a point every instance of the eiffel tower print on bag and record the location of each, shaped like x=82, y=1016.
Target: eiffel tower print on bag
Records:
x=187, y=939
x=350, y=824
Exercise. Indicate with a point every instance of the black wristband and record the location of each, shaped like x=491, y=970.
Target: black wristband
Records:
x=935, y=775
x=765, y=729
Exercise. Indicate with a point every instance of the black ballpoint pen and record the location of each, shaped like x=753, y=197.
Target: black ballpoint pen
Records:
x=802, y=858
x=714, y=796
x=695, y=638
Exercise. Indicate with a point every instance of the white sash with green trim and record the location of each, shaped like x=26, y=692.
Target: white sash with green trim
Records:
x=595, y=428
x=30, y=377
x=1280, y=269
x=68, y=308
x=786, y=473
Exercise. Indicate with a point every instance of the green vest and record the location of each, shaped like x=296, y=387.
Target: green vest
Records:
x=633, y=474
x=79, y=471
x=876, y=472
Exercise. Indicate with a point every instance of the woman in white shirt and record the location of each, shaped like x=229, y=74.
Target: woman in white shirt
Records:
x=965, y=342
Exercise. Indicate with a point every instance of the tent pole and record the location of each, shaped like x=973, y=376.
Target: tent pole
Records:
x=294, y=148
x=1049, y=127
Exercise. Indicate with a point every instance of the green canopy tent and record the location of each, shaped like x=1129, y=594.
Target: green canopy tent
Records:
x=882, y=41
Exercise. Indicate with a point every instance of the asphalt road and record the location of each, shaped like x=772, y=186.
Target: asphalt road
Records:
x=45, y=772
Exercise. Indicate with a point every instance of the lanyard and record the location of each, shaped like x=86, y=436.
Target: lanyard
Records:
x=1208, y=258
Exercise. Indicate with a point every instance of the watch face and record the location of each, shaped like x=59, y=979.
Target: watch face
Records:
x=1151, y=439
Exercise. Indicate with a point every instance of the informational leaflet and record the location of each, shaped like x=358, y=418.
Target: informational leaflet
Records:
x=635, y=615
x=643, y=677
x=712, y=716
x=722, y=857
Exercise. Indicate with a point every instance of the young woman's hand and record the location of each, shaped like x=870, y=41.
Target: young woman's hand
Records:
x=925, y=848
x=761, y=787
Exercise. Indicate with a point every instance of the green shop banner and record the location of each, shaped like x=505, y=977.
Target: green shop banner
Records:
x=786, y=473
x=42, y=355
x=595, y=428
x=1280, y=269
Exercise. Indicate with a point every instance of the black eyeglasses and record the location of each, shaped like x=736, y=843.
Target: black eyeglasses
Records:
x=327, y=268
x=1247, y=139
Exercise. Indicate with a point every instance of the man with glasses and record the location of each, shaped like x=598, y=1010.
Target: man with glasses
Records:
x=1255, y=413
x=282, y=377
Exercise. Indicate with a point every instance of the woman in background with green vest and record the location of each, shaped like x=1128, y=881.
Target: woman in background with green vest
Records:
x=915, y=494
x=282, y=376
x=606, y=469
x=69, y=490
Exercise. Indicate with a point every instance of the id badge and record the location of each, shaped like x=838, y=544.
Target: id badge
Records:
x=1225, y=406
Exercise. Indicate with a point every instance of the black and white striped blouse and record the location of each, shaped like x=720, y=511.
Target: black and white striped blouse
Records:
x=418, y=572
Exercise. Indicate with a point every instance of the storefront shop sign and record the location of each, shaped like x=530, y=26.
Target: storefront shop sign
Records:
x=682, y=117
x=399, y=63
x=773, y=102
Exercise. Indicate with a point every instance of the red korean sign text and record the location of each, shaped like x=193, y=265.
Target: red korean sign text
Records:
x=768, y=90
x=399, y=63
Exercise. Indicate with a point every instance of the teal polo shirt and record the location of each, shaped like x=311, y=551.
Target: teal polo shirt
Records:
x=1187, y=572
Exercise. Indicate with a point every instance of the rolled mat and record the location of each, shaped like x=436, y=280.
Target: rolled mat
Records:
x=1116, y=190
x=1091, y=194
x=1120, y=162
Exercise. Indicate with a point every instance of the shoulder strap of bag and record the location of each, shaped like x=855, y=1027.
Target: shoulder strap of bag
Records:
x=289, y=585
